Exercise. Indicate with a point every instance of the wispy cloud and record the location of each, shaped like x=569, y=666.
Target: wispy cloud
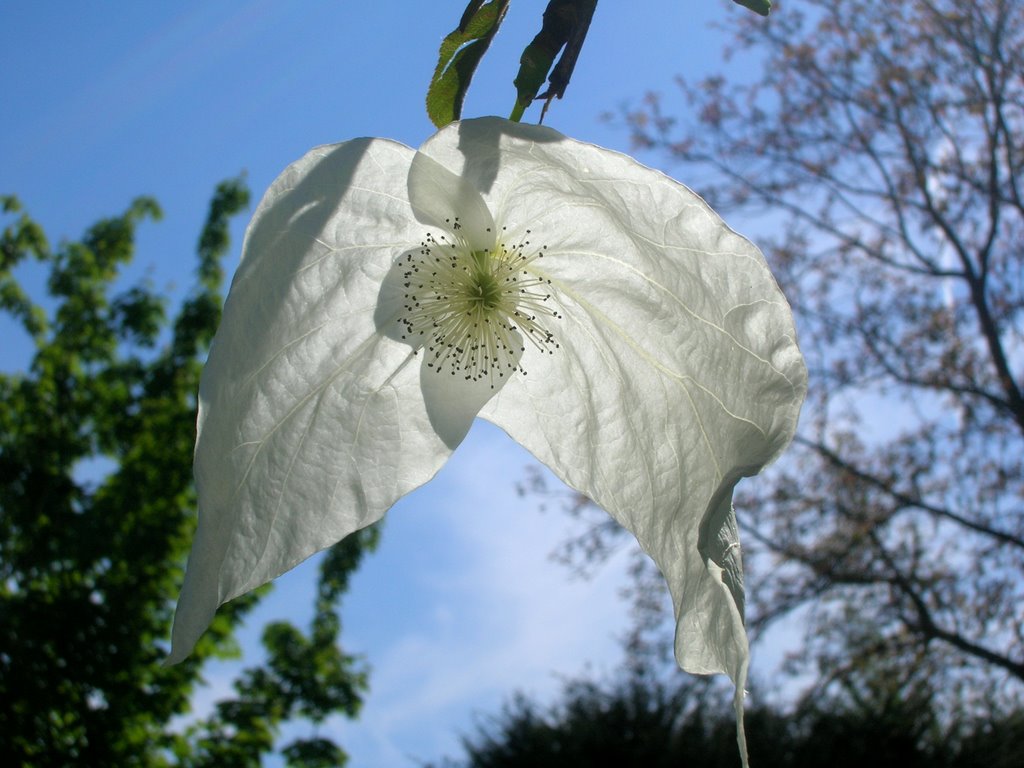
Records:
x=486, y=612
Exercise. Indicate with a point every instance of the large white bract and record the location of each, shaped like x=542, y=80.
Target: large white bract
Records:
x=596, y=310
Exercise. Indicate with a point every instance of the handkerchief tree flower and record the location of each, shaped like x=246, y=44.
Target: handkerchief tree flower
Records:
x=597, y=311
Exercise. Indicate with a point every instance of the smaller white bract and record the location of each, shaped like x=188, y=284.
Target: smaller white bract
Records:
x=596, y=310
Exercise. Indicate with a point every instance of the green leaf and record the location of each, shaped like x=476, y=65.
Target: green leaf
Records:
x=762, y=7
x=458, y=57
x=565, y=25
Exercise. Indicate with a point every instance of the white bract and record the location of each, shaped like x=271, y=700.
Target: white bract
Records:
x=596, y=310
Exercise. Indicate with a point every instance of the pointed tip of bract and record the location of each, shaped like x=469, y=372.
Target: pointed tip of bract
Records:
x=185, y=633
x=193, y=614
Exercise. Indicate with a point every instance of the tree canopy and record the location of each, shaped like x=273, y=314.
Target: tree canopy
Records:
x=97, y=511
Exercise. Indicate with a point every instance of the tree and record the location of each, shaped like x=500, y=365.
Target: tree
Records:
x=96, y=516
x=643, y=722
x=878, y=146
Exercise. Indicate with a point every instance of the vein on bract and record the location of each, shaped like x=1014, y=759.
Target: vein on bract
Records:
x=672, y=296
x=318, y=391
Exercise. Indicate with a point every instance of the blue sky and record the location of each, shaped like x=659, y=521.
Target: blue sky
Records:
x=461, y=605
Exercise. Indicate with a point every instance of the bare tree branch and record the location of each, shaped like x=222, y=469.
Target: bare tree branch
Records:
x=879, y=147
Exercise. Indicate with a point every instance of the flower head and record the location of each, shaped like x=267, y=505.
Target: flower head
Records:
x=474, y=309
x=596, y=310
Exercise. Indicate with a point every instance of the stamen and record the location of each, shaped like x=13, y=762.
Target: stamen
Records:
x=472, y=310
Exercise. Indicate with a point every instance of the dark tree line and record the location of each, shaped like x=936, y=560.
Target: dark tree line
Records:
x=643, y=723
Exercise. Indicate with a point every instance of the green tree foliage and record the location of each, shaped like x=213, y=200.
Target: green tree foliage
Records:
x=97, y=511
x=644, y=723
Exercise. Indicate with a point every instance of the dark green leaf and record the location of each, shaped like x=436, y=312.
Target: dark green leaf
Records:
x=565, y=25
x=314, y=753
x=761, y=7
x=457, y=60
